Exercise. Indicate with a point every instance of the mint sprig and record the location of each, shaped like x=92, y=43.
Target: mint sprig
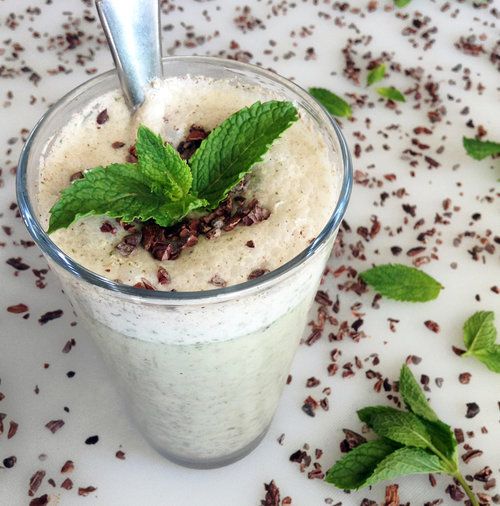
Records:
x=161, y=186
x=412, y=442
x=480, y=149
x=401, y=3
x=479, y=338
x=399, y=282
x=335, y=105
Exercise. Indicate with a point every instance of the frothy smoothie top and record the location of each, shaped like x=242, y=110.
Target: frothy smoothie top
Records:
x=297, y=182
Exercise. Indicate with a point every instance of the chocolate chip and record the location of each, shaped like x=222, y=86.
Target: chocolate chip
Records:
x=117, y=145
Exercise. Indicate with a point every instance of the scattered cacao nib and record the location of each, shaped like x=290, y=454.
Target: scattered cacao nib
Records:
x=192, y=142
x=35, y=482
x=312, y=382
x=145, y=284
x=128, y=244
x=216, y=280
x=75, y=176
x=432, y=325
x=455, y=492
x=250, y=244
x=117, y=144
x=69, y=344
x=484, y=474
x=102, y=117
x=272, y=497
x=472, y=410
x=120, y=455
x=351, y=441
x=471, y=454
x=18, y=264
x=50, y=315
x=10, y=462
x=40, y=501
x=132, y=155
x=459, y=435
x=18, y=308
x=92, y=440
x=464, y=378
x=54, y=425
x=68, y=467
x=67, y=484
x=257, y=273
x=12, y=429
x=391, y=495
x=457, y=351
x=86, y=490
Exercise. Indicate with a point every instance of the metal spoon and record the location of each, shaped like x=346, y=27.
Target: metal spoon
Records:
x=132, y=28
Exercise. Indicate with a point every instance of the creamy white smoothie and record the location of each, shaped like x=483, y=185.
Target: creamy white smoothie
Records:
x=201, y=375
x=296, y=182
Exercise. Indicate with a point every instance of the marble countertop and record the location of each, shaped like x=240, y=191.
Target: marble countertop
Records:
x=437, y=208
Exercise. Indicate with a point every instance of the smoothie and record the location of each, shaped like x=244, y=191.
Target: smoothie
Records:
x=201, y=371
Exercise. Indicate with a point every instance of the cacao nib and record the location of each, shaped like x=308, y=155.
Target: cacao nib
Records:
x=192, y=142
x=128, y=244
x=102, y=117
x=257, y=273
x=272, y=497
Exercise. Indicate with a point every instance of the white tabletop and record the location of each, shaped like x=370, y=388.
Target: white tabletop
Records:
x=47, y=48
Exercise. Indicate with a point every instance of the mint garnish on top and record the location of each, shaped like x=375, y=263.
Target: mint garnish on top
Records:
x=164, y=188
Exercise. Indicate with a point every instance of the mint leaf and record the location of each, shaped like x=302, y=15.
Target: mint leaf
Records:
x=162, y=165
x=403, y=283
x=479, y=331
x=400, y=426
x=490, y=357
x=403, y=462
x=414, y=396
x=401, y=3
x=391, y=93
x=480, y=149
x=118, y=191
x=331, y=102
x=442, y=437
x=355, y=468
x=235, y=146
x=479, y=337
x=375, y=75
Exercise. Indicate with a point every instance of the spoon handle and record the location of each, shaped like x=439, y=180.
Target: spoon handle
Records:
x=132, y=28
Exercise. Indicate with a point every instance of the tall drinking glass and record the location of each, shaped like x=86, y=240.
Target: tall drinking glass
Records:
x=201, y=372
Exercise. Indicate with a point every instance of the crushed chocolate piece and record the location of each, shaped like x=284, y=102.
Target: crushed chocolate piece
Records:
x=40, y=501
x=216, y=280
x=67, y=484
x=35, y=482
x=75, y=176
x=18, y=308
x=68, y=467
x=471, y=454
x=472, y=410
x=13, y=426
x=120, y=455
x=92, y=440
x=10, y=462
x=163, y=276
x=54, y=425
x=455, y=492
x=102, y=117
x=391, y=495
x=192, y=142
x=432, y=325
x=18, y=264
x=351, y=441
x=250, y=244
x=117, y=145
x=272, y=497
x=50, y=315
x=129, y=243
x=464, y=378
x=108, y=228
x=86, y=490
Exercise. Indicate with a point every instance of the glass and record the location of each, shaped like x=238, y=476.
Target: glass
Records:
x=200, y=372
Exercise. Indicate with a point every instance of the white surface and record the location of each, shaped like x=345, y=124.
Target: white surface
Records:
x=144, y=477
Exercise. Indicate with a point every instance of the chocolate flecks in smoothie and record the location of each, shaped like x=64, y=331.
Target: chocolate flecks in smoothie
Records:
x=217, y=281
x=108, y=228
x=192, y=142
x=163, y=276
x=75, y=176
x=128, y=244
x=102, y=117
x=117, y=144
x=257, y=273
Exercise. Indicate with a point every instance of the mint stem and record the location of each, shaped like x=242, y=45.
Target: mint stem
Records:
x=470, y=494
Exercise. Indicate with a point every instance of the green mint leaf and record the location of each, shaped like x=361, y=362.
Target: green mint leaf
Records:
x=442, y=437
x=490, y=357
x=236, y=145
x=118, y=191
x=479, y=331
x=375, y=75
x=402, y=283
x=162, y=165
x=352, y=471
x=414, y=396
x=391, y=93
x=403, y=462
x=401, y=3
x=335, y=105
x=400, y=426
x=170, y=213
x=480, y=149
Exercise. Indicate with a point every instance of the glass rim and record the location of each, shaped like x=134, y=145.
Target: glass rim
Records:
x=50, y=249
